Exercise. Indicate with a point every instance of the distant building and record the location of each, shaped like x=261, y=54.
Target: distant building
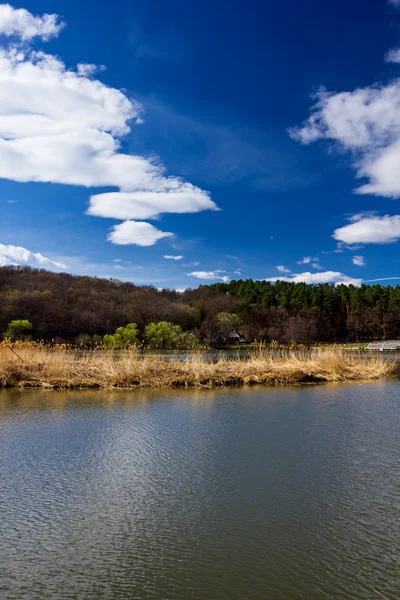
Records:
x=235, y=338
x=384, y=346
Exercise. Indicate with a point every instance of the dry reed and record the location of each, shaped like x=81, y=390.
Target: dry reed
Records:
x=36, y=365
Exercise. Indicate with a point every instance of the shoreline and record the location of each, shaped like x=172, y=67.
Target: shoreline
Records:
x=35, y=366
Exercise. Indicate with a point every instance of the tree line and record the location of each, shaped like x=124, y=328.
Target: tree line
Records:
x=64, y=307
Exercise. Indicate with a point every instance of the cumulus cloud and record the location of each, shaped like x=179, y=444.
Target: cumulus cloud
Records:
x=61, y=125
x=134, y=232
x=359, y=261
x=17, y=255
x=209, y=275
x=21, y=23
x=282, y=269
x=369, y=229
x=172, y=257
x=324, y=277
x=365, y=122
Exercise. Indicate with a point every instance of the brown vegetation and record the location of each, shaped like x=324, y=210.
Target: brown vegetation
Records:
x=35, y=365
x=81, y=310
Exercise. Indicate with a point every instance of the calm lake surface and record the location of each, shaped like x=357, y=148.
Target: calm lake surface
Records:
x=289, y=493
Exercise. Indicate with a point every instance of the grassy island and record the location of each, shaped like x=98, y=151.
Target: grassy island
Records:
x=36, y=365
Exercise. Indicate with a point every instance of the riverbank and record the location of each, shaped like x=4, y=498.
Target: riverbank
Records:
x=38, y=366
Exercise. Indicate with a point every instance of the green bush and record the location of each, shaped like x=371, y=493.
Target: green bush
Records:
x=167, y=336
x=18, y=330
x=123, y=337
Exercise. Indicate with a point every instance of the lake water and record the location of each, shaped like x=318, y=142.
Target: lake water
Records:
x=285, y=493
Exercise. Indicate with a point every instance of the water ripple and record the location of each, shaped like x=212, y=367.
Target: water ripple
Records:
x=288, y=494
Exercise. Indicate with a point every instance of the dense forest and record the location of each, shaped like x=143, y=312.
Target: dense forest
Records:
x=65, y=307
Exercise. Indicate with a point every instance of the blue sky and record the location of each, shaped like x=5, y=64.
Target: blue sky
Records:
x=240, y=140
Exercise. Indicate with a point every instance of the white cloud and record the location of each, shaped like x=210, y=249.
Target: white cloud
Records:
x=309, y=260
x=382, y=279
x=88, y=69
x=191, y=264
x=238, y=272
x=359, y=261
x=324, y=277
x=316, y=264
x=282, y=269
x=171, y=257
x=394, y=2
x=393, y=56
x=16, y=255
x=209, y=275
x=21, y=23
x=365, y=122
x=133, y=232
x=60, y=125
x=305, y=261
x=369, y=230
x=149, y=205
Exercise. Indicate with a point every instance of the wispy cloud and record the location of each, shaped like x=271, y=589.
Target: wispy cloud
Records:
x=358, y=260
x=209, y=275
x=126, y=264
x=17, y=255
x=393, y=56
x=164, y=45
x=382, y=279
x=225, y=154
x=316, y=264
x=304, y=261
x=282, y=269
x=310, y=260
x=172, y=257
x=323, y=277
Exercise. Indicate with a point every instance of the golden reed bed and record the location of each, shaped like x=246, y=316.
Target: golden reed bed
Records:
x=35, y=365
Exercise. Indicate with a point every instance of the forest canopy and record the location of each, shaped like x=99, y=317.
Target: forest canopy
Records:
x=64, y=307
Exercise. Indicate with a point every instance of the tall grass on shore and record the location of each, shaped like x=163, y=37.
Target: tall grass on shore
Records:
x=35, y=365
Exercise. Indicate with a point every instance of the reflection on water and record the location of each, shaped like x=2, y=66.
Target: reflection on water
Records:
x=287, y=493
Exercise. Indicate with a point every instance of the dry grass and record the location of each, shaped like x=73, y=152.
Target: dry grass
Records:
x=38, y=366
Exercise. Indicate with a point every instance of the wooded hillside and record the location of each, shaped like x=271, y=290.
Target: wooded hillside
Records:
x=62, y=306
